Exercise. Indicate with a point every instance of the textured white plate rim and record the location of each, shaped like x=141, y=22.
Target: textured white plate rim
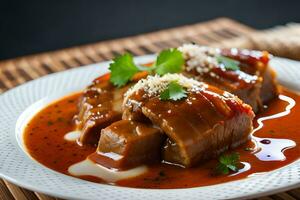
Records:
x=59, y=195
x=135, y=193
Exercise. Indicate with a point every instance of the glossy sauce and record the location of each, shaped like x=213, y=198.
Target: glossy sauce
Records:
x=277, y=129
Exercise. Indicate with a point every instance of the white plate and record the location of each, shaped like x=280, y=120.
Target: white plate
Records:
x=17, y=167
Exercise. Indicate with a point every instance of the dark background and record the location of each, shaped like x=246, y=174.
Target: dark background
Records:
x=28, y=26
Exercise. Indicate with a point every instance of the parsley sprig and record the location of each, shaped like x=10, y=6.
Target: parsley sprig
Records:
x=228, y=163
x=228, y=63
x=174, y=92
x=169, y=61
x=123, y=67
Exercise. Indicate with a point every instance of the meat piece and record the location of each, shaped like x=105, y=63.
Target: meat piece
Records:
x=125, y=144
x=247, y=88
x=199, y=127
x=248, y=83
x=256, y=64
x=268, y=89
x=100, y=105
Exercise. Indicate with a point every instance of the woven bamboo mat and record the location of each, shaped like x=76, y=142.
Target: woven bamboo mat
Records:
x=221, y=32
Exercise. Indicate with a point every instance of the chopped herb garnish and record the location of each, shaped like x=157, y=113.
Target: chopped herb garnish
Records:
x=49, y=123
x=228, y=63
x=174, y=92
x=60, y=119
x=123, y=67
x=169, y=61
x=271, y=132
x=228, y=163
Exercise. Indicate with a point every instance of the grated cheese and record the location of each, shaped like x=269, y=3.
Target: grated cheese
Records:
x=154, y=85
x=199, y=58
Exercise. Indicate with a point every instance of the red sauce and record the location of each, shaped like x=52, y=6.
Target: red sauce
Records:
x=44, y=139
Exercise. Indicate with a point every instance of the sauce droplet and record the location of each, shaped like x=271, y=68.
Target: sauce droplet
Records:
x=265, y=141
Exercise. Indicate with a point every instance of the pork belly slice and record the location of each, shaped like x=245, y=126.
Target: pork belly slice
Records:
x=257, y=63
x=199, y=127
x=254, y=83
x=126, y=144
x=99, y=106
x=269, y=88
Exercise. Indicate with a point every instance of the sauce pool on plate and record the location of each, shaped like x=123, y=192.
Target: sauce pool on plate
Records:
x=275, y=143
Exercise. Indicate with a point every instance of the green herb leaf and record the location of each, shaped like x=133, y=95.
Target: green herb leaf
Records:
x=174, y=92
x=169, y=61
x=122, y=69
x=228, y=63
x=222, y=169
x=228, y=163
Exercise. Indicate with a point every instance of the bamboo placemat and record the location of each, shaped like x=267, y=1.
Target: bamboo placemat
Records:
x=220, y=31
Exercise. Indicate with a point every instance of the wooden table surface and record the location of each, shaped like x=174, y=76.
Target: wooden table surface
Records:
x=218, y=32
